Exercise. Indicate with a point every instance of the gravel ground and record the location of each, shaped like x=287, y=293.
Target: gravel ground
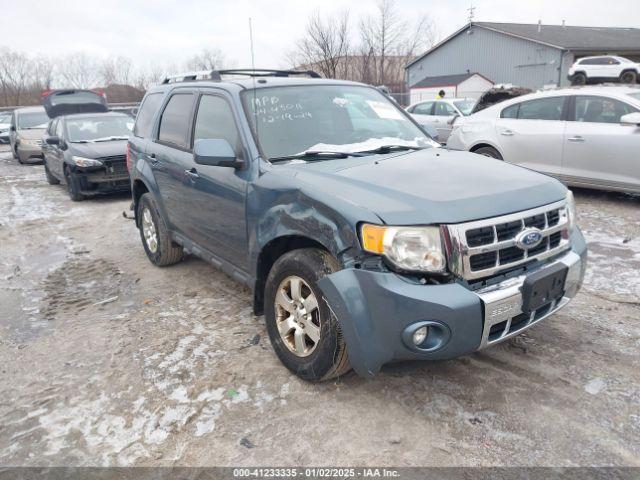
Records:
x=107, y=360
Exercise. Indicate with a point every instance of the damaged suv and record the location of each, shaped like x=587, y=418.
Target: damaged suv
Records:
x=363, y=243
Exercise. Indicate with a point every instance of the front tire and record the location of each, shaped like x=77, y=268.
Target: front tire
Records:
x=73, y=186
x=304, y=333
x=51, y=180
x=629, y=77
x=489, y=152
x=155, y=234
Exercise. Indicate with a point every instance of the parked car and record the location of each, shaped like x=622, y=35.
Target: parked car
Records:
x=25, y=133
x=362, y=244
x=5, y=125
x=85, y=151
x=587, y=137
x=441, y=114
x=607, y=68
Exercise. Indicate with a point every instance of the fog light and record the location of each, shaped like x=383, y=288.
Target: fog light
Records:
x=420, y=335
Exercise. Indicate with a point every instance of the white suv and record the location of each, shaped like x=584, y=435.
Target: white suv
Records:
x=604, y=69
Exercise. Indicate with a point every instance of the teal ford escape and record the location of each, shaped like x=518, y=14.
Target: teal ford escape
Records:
x=363, y=243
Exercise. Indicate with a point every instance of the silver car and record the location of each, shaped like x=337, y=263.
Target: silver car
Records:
x=25, y=133
x=441, y=114
x=587, y=136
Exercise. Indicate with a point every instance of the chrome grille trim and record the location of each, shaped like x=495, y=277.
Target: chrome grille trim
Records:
x=459, y=252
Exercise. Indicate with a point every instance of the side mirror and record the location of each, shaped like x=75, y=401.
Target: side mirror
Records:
x=215, y=152
x=632, y=119
x=53, y=140
x=12, y=128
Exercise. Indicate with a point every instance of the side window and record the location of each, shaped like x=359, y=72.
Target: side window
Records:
x=52, y=127
x=600, y=110
x=215, y=120
x=144, y=120
x=59, y=129
x=443, y=109
x=423, y=108
x=510, y=112
x=175, y=118
x=542, y=109
x=589, y=61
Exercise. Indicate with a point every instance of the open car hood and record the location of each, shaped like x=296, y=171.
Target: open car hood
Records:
x=496, y=95
x=70, y=101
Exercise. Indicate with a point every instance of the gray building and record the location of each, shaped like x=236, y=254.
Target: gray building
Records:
x=527, y=55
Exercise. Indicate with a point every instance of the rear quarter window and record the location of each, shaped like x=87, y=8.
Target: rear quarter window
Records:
x=146, y=114
x=175, y=119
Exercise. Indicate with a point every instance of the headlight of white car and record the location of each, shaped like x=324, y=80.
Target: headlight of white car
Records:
x=415, y=249
x=571, y=211
x=85, y=162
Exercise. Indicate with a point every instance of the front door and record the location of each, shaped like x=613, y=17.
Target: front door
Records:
x=220, y=192
x=531, y=134
x=598, y=150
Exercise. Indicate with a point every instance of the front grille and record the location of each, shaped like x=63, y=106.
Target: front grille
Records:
x=487, y=247
x=115, y=165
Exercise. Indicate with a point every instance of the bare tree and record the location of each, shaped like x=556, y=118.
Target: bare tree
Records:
x=43, y=72
x=115, y=70
x=326, y=45
x=208, y=59
x=15, y=75
x=79, y=70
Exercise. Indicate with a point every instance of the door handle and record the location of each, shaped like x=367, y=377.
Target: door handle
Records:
x=507, y=133
x=576, y=139
x=154, y=161
x=192, y=174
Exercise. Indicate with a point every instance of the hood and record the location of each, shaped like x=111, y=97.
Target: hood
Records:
x=67, y=102
x=430, y=186
x=32, y=133
x=98, y=150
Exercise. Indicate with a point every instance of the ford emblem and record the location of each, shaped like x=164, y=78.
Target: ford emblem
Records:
x=528, y=238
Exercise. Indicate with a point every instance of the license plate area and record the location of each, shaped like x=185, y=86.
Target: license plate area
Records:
x=543, y=287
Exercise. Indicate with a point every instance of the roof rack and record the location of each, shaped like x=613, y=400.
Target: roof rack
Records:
x=216, y=75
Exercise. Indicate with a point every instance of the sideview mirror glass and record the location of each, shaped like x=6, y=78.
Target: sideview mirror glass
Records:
x=216, y=152
x=53, y=140
x=631, y=119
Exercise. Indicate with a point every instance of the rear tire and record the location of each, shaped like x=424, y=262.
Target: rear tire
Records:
x=321, y=353
x=155, y=235
x=629, y=77
x=579, y=79
x=489, y=152
x=51, y=180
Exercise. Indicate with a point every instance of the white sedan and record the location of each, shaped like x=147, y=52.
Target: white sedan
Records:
x=586, y=137
x=440, y=114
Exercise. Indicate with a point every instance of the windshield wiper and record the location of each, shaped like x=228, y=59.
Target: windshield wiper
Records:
x=391, y=148
x=109, y=139
x=315, y=155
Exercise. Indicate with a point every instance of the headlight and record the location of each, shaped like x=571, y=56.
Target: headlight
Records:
x=85, y=162
x=416, y=249
x=572, y=216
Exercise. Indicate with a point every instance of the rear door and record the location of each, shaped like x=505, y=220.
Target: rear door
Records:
x=423, y=112
x=531, y=133
x=170, y=157
x=67, y=102
x=443, y=115
x=598, y=150
x=56, y=154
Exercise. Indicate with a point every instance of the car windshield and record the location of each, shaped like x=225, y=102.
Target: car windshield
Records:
x=465, y=106
x=5, y=117
x=99, y=129
x=28, y=121
x=293, y=120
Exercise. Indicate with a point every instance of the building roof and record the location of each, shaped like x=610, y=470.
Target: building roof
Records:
x=443, y=80
x=585, y=39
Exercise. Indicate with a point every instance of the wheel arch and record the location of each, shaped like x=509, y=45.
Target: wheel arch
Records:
x=482, y=144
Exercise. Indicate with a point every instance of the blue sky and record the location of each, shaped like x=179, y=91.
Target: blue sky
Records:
x=169, y=31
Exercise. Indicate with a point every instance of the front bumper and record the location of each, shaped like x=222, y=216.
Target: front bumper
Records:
x=30, y=153
x=97, y=181
x=377, y=312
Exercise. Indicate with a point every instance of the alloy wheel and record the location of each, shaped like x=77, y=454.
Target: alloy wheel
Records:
x=149, y=230
x=297, y=316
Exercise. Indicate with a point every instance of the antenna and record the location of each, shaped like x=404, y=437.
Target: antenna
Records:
x=253, y=67
x=471, y=11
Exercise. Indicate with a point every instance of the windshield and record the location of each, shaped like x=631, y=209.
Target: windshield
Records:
x=337, y=118
x=465, y=106
x=32, y=120
x=635, y=95
x=98, y=129
x=5, y=118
